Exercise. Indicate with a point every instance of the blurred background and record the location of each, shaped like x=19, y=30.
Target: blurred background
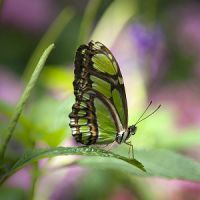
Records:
x=157, y=45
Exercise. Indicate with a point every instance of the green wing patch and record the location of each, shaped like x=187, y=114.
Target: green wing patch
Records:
x=118, y=104
x=106, y=124
x=101, y=86
x=104, y=64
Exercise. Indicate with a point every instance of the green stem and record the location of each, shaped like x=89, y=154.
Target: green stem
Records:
x=24, y=98
x=35, y=176
x=88, y=19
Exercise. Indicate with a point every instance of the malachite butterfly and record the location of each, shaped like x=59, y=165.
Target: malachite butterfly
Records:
x=99, y=114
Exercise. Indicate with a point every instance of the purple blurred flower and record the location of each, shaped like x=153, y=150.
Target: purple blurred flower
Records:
x=66, y=188
x=146, y=38
x=32, y=15
x=21, y=179
x=150, y=44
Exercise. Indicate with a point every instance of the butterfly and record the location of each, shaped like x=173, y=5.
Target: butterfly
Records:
x=99, y=114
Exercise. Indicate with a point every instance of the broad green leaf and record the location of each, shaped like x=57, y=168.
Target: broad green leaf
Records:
x=37, y=154
x=159, y=163
x=165, y=163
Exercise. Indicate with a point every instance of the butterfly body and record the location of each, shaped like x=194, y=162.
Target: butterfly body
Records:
x=99, y=114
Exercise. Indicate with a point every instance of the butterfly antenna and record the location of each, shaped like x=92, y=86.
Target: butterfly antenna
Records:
x=144, y=112
x=138, y=121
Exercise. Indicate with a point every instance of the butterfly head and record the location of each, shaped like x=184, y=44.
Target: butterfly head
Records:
x=132, y=130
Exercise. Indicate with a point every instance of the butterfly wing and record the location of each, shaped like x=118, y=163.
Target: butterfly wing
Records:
x=100, y=110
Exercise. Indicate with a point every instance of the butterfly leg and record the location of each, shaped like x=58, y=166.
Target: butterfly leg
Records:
x=130, y=150
x=110, y=146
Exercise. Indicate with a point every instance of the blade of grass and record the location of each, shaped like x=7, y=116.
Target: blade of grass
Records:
x=35, y=176
x=88, y=19
x=113, y=21
x=50, y=37
x=24, y=98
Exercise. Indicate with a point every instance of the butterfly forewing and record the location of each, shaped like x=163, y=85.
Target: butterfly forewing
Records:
x=100, y=110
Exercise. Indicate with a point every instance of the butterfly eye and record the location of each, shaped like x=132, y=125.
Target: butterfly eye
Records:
x=132, y=129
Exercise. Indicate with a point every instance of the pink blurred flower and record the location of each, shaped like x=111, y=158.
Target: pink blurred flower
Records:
x=188, y=27
x=187, y=190
x=68, y=185
x=28, y=14
x=174, y=189
x=151, y=47
x=122, y=194
x=185, y=100
x=21, y=179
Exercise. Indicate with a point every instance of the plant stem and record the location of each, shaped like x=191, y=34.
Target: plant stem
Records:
x=35, y=175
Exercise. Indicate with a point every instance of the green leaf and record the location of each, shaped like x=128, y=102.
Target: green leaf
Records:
x=24, y=98
x=165, y=163
x=37, y=154
x=159, y=163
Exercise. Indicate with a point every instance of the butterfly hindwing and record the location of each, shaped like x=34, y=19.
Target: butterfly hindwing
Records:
x=100, y=110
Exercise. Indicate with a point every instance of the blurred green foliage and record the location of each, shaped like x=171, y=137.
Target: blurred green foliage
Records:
x=44, y=121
